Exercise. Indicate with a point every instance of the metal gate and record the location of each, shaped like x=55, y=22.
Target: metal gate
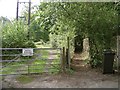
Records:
x=17, y=61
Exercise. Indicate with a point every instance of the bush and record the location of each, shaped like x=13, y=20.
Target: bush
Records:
x=60, y=41
x=15, y=36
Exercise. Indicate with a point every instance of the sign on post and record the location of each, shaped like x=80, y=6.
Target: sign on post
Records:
x=27, y=52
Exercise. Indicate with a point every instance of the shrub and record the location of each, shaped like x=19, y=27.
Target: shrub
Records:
x=15, y=36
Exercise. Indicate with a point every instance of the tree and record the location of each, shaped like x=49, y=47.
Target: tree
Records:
x=97, y=21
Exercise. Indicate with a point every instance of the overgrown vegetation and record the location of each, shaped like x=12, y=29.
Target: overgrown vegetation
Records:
x=97, y=21
x=14, y=35
x=54, y=22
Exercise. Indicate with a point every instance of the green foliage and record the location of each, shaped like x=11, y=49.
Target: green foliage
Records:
x=41, y=22
x=55, y=22
x=15, y=36
x=101, y=33
x=59, y=34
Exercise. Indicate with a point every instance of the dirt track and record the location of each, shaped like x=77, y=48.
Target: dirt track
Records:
x=88, y=78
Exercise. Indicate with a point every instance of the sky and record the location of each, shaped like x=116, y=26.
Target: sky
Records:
x=8, y=7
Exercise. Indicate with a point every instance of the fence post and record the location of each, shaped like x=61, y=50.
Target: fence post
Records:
x=63, y=59
x=68, y=52
x=118, y=52
x=67, y=59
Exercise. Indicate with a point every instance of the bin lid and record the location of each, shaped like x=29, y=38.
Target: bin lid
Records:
x=106, y=51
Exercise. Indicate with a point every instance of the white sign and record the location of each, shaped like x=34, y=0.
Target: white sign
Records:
x=27, y=52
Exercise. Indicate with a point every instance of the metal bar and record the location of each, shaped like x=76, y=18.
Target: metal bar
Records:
x=23, y=2
x=12, y=60
x=11, y=48
x=29, y=64
x=16, y=65
x=47, y=48
x=14, y=74
x=40, y=69
x=43, y=64
x=15, y=54
x=29, y=67
x=26, y=72
x=49, y=59
x=13, y=66
x=54, y=53
x=14, y=71
x=22, y=70
x=29, y=48
x=26, y=60
x=10, y=55
x=20, y=54
x=41, y=72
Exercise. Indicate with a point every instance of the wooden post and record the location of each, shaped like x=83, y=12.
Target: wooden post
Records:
x=63, y=59
x=118, y=52
x=17, y=10
x=67, y=60
x=29, y=15
x=68, y=40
